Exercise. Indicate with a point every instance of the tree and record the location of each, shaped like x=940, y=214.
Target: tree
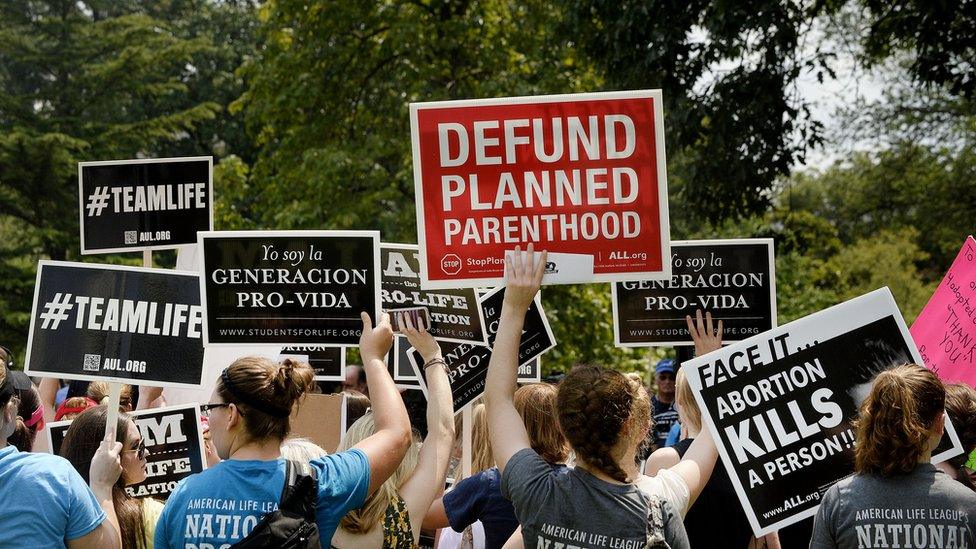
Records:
x=77, y=85
x=728, y=72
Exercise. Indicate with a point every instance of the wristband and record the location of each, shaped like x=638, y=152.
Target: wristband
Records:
x=435, y=361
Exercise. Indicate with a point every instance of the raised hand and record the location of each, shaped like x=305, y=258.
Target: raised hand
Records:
x=419, y=338
x=523, y=278
x=375, y=342
x=106, y=465
x=707, y=339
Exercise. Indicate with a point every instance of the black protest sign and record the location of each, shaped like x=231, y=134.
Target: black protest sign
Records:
x=132, y=205
x=782, y=404
x=454, y=314
x=288, y=287
x=537, y=336
x=115, y=323
x=530, y=372
x=402, y=370
x=469, y=370
x=733, y=279
x=329, y=363
x=173, y=440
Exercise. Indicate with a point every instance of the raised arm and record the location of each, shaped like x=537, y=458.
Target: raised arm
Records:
x=505, y=428
x=104, y=471
x=427, y=479
x=386, y=447
x=48, y=391
x=696, y=466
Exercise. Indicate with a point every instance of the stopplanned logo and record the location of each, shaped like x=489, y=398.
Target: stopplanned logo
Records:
x=451, y=264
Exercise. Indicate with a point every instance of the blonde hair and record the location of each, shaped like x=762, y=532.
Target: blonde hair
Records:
x=362, y=520
x=301, y=449
x=481, y=458
x=687, y=406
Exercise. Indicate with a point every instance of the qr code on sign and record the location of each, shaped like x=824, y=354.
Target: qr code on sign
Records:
x=131, y=237
x=92, y=363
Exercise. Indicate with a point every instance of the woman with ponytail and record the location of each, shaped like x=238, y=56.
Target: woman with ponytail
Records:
x=604, y=501
x=897, y=498
x=249, y=413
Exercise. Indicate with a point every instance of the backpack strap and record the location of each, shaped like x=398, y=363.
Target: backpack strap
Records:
x=300, y=492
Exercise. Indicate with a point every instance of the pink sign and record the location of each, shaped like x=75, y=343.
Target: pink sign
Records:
x=945, y=331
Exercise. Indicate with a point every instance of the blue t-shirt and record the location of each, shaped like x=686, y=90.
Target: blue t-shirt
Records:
x=479, y=497
x=220, y=506
x=43, y=501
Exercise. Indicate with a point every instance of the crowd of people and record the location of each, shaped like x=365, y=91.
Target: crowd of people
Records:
x=553, y=465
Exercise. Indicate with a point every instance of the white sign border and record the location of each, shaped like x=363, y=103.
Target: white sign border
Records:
x=81, y=377
x=168, y=246
x=688, y=243
x=858, y=316
x=375, y=235
x=341, y=376
x=481, y=316
x=664, y=220
x=143, y=412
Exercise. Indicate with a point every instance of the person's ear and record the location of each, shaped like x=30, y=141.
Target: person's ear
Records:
x=234, y=416
x=939, y=427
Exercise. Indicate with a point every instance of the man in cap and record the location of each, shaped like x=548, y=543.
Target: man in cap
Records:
x=664, y=412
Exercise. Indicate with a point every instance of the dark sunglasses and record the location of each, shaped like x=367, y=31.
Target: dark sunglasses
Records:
x=141, y=449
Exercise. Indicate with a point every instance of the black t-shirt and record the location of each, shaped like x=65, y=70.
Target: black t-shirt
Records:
x=665, y=415
x=716, y=519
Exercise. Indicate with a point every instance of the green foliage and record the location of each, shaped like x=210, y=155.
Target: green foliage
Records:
x=78, y=84
x=305, y=106
x=907, y=186
x=739, y=128
x=328, y=94
x=885, y=259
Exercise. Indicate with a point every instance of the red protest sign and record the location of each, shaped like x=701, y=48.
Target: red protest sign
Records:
x=582, y=176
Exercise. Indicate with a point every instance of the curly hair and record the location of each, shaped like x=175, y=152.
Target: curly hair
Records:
x=593, y=405
x=896, y=420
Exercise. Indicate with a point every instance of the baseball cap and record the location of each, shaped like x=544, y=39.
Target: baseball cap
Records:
x=665, y=365
x=13, y=381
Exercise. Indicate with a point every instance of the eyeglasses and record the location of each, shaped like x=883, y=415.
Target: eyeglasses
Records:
x=143, y=451
x=205, y=408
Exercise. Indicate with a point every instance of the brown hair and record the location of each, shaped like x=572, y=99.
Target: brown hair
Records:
x=685, y=398
x=896, y=420
x=23, y=436
x=357, y=404
x=83, y=438
x=265, y=392
x=593, y=404
x=960, y=405
x=98, y=391
x=536, y=403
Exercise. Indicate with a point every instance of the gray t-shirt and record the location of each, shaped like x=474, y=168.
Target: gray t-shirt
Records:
x=924, y=509
x=578, y=510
